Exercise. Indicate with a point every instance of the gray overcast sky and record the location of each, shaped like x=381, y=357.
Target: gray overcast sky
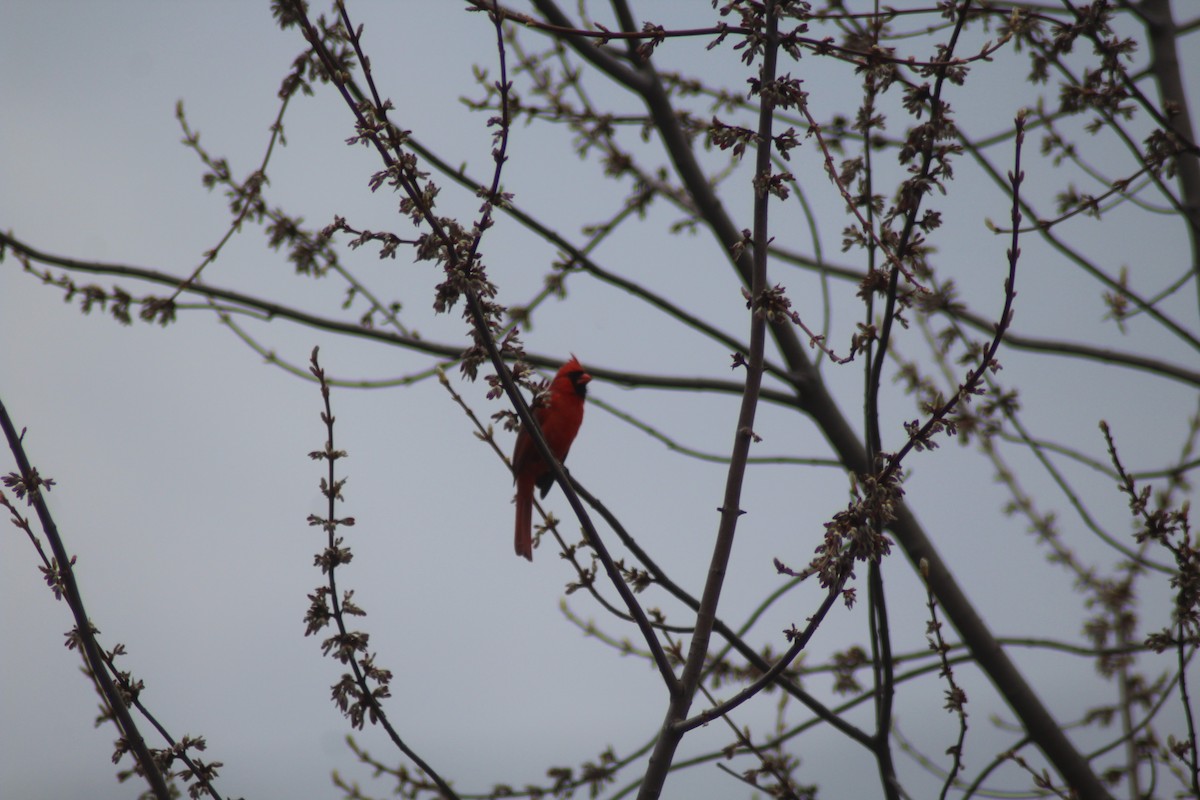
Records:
x=183, y=482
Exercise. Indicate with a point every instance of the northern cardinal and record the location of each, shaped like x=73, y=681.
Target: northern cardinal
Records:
x=559, y=416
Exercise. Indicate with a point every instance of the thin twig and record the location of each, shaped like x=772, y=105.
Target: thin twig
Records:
x=334, y=554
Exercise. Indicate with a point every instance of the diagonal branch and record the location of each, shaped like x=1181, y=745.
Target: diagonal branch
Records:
x=132, y=738
x=405, y=176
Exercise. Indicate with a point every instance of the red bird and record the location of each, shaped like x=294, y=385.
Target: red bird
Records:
x=559, y=415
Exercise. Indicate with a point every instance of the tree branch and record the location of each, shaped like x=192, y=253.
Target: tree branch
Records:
x=131, y=737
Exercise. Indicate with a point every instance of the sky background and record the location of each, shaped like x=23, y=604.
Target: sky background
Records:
x=180, y=457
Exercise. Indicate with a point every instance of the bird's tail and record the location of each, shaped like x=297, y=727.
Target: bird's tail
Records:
x=523, y=538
